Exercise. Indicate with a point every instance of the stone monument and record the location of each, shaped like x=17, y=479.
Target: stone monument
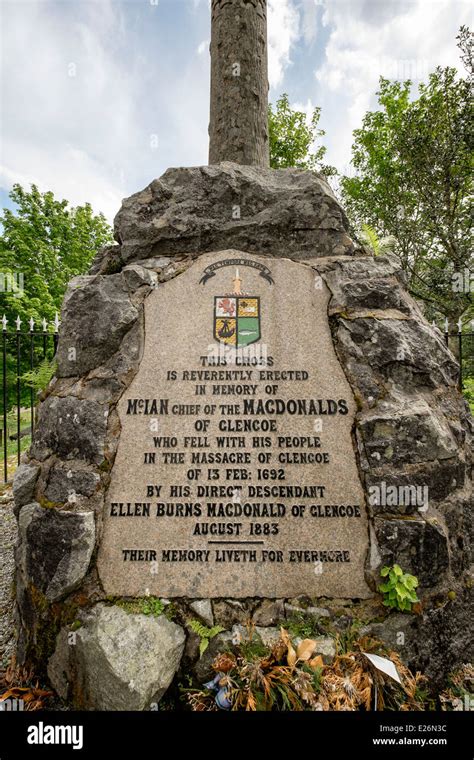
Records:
x=250, y=415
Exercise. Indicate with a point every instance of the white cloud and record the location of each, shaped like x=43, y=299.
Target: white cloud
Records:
x=309, y=19
x=70, y=112
x=402, y=40
x=88, y=137
x=82, y=104
x=283, y=31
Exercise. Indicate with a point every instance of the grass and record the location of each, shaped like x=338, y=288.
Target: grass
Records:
x=149, y=605
x=468, y=391
x=12, y=446
x=303, y=626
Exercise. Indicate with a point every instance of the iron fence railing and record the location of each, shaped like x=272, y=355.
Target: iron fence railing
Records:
x=22, y=351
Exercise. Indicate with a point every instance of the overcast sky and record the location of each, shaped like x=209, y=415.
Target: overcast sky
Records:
x=101, y=96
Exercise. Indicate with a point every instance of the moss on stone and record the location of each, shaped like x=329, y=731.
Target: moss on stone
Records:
x=146, y=605
x=43, y=502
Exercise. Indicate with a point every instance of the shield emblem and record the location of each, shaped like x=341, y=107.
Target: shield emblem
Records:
x=237, y=320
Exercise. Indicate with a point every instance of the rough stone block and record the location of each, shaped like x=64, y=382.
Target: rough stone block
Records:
x=100, y=301
x=54, y=550
x=70, y=428
x=120, y=661
x=24, y=482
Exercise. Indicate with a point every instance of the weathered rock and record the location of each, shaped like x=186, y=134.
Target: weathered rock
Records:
x=269, y=612
x=105, y=384
x=268, y=635
x=419, y=546
x=290, y=212
x=228, y=612
x=223, y=642
x=325, y=647
x=135, y=276
x=440, y=477
x=406, y=434
x=258, y=634
x=459, y=520
x=54, y=550
x=293, y=609
x=406, y=352
x=93, y=300
x=434, y=643
x=318, y=612
x=70, y=428
x=24, y=483
x=65, y=482
x=107, y=261
x=203, y=608
x=119, y=661
x=157, y=264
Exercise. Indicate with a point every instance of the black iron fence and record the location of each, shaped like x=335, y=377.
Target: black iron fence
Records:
x=25, y=350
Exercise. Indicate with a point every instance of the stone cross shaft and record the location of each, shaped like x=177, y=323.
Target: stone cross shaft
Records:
x=238, y=127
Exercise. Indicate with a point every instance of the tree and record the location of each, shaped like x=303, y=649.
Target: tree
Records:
x=291, y=138
x=413, y=159
x=43, y=244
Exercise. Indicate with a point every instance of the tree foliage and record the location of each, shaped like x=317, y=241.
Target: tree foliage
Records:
x=293, y=139
x=43, y=244
x=413, y=162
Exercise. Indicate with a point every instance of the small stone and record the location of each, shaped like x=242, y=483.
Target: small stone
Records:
x=155, y=264
x=326, y=647
x=292, y=609
x=269, y=612
x=24, y=483
x=269, y=636
x=317, y=612
x=135, y=276
x=229, y=612
x=203, y=608
x=343, y=622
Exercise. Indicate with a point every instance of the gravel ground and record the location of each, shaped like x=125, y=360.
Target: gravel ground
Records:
x=8, y=538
